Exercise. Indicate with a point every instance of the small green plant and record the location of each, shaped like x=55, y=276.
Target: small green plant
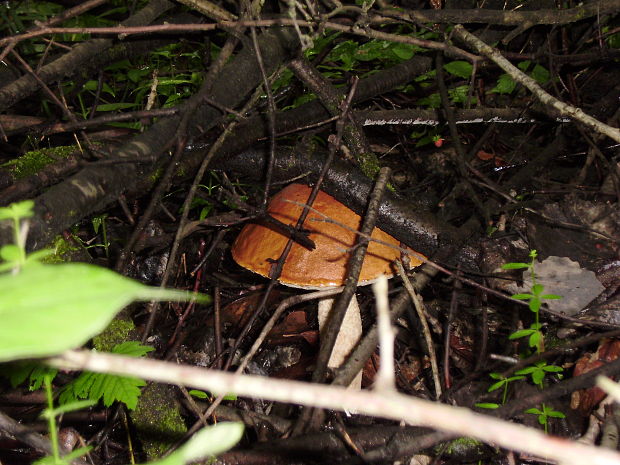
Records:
x=14, y=255
x=503, y=383
x=39, y=301
x=207, y=442
x=539, y=370
x=535, y=299
x=109, y=388
x=50, y=414
x=544, y=414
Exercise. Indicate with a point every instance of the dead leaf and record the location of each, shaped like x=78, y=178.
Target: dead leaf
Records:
x=563, y=277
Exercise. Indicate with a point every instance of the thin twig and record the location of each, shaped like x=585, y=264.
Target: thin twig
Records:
x=425, y=328
x=385, y=376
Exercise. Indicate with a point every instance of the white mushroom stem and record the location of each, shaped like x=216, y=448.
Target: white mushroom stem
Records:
x=348, y=336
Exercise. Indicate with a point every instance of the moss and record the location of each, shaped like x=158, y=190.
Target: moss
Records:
x=464, y=447
x=369, y=165
x=156, y=175
x=118, y=331
x=157, y=420
x=65, y=251
x=32, y=162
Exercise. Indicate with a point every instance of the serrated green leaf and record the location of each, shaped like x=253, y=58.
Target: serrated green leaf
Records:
x=75, y=300
x=505, y=85
x=34, y=372
x=132, y=349
x=524, y=65
x=209, y=441
x=540, y=74
x=98, y=386
x=123, y=389
x=459, y=68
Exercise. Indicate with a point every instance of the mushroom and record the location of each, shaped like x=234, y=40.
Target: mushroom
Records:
x=257, y=247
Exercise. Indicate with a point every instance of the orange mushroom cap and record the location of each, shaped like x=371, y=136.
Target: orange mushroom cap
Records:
x=258, y=246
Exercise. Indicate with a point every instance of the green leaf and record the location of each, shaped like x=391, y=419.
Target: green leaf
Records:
x=496, y=386
x=515, y=266
x=75, y=300
x=123, y=389
x=110, y=388
x=540, y=74
x=537, y=289
x=10, y=253
x=522, y=296
x=69, y=407
x=535, y=339
x=132, y=349
x=459, y=94
x=209, y=441
x=198, y=394
x=404, y=51
x=461, y=69
x=116, y=106
x=432, y=101
x=23, y=209
x=535, y=304
x=524, y=65
x=489, y=405
x=521, y=333
x=97, y=386
x=538, y=376
x=65, y=460
x=526, y=370
x=34, y=372
x=505, y=85
x=553, y=368
x=38, y=255
x=534, y=410
x=555, y=414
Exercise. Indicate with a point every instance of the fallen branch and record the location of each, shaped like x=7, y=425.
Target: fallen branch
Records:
x=391, y=405
x=522, y=78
